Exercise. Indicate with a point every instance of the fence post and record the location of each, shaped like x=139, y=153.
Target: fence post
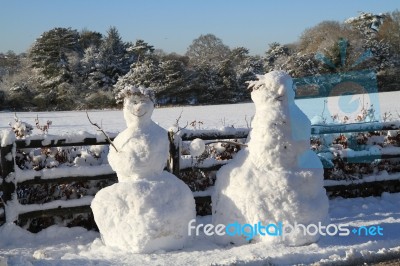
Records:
x=174, y=154
x=7, y=167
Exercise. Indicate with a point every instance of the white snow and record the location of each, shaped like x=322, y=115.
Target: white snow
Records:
x=269, y=180
x=197, y=147
x=7, y=137
x=145, y=216
x=212, y=116
x=76, y=246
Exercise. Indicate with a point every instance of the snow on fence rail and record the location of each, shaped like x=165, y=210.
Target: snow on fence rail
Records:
x=179, y=164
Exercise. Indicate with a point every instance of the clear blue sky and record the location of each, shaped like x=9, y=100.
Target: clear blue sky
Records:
x=172, y=25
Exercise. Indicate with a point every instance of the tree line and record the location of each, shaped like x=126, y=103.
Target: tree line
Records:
x=66, y=69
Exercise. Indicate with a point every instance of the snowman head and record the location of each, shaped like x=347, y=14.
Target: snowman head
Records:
x=273, y=86
x=138, y=104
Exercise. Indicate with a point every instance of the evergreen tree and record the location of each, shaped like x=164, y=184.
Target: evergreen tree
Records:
x=142, y=73
x=112, y=61
x=246, y=68
x=174, y=82
x=89, y=38
x=49, y=53
x=55, y=57
x=141, y=50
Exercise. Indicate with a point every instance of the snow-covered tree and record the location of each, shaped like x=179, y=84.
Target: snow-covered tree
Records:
x=368, y=25
x=141, y=50
x=10, y=62
x=142, y=73
x=112, y=63
x=207, y=50
x=390, y=31
x=49, y=53
x=276, y=56
x=174, y=82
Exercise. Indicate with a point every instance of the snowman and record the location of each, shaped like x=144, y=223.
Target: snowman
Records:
x=148, y=209
x=277, y=179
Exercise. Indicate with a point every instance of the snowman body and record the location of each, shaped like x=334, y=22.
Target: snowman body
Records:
x=277, y=179
x=148, y=209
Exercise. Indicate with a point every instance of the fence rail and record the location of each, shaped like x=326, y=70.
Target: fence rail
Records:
x=175, y=162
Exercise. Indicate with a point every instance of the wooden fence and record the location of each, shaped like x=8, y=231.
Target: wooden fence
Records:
x=11, y=181
x=177, y=164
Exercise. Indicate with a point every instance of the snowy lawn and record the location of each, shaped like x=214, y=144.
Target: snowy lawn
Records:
x=212, y=116
x=76, y=246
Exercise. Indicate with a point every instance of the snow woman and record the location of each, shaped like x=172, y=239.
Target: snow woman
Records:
x=148, y=209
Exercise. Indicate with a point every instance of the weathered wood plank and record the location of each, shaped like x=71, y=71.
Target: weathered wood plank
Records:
x=38, y=143
x=354, y=127
x=55, y=212
x=7, y=167
x=69, y=179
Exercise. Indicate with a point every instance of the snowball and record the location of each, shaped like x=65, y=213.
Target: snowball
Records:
x=392, y=133
x=317, y=120
x=197, y=147
x=145, y=216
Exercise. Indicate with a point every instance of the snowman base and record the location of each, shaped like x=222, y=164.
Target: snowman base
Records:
x=144, y=216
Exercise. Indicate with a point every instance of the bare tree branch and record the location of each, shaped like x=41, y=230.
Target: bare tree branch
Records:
x=100, y=129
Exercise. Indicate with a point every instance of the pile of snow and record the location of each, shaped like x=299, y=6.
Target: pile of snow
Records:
x=277, y=178
x=77, y=246
x=149, y=209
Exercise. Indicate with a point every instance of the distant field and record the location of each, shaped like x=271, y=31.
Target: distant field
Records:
x=211, y=116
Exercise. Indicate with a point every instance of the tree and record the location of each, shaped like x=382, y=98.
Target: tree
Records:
x=18, y=88
x=324, y=35
x=174, y=82
x=141, y=49
x=9, y=63
x=246, y=68
x=104, y=65
x=89, y=38
x=49, y=53
x=276, y=56
x=368, y=25
x=390, y=31
x=207, y=50
x=142, y=73
x=112, y=54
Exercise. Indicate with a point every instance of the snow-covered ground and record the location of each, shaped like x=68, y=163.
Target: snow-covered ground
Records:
x=77, y=246
x=212, y=116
